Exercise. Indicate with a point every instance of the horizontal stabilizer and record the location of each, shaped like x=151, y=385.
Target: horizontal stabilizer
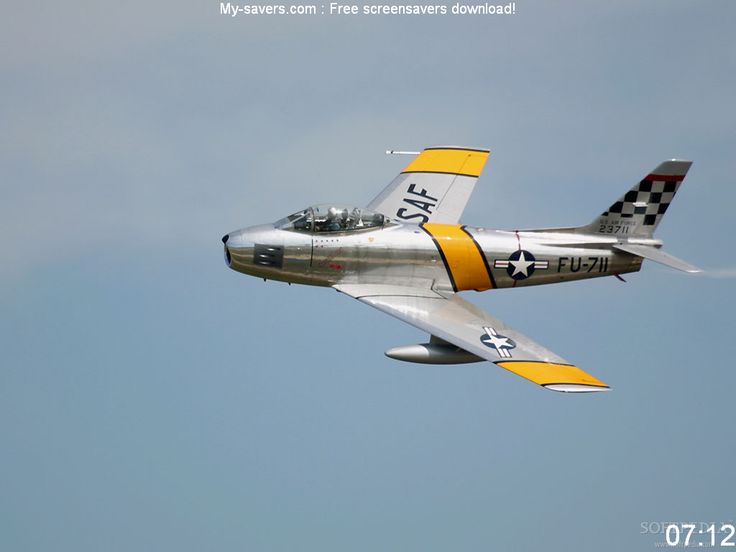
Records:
x=657, y=255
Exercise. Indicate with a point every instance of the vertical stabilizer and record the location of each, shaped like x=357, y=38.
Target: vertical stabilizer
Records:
x=638, y=212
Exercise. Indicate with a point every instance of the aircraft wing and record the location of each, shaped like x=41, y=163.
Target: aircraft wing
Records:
x=461, y=323
x=434, y=187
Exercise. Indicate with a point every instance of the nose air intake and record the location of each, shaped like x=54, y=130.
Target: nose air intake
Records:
x=228, y=259
x=258, y=250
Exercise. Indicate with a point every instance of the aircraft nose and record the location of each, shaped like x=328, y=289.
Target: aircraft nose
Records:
x=238, y=239
x=238, y=247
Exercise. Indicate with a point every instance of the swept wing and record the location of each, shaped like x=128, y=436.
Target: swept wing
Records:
x=461, y=323
x=434, y=187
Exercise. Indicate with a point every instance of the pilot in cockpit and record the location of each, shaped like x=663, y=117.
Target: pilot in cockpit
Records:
x=337, y=220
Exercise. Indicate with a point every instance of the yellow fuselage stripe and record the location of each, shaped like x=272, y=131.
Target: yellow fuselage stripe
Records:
x=548, y=373
x=447, y=160
x=465, y=264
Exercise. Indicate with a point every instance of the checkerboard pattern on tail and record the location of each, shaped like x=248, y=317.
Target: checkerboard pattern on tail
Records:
x=640, y=210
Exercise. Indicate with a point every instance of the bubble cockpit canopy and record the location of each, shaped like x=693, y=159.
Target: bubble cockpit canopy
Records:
x=332, y=218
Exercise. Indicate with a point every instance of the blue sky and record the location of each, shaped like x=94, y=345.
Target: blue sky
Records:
x=151, y=399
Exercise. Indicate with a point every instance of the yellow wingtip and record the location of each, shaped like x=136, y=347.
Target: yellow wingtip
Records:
x=554, y=376
x=449, y=160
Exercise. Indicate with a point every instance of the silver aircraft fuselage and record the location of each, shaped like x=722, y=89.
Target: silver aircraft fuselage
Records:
x=444, y=257
x=405, y=255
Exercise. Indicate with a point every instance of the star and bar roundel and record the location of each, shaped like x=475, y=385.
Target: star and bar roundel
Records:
x=494, y=340
x=521, y=264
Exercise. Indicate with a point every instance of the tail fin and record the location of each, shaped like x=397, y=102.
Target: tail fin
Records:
x=638, y=212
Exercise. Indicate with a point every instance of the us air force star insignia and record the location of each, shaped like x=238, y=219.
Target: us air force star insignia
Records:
x=495, y=340
x=521, y=264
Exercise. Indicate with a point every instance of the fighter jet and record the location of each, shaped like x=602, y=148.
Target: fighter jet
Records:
x=407, y=254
